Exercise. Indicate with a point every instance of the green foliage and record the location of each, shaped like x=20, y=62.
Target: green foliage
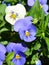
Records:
x=10, y=63
x=40, y=20
x=47, y=42
x=28, y=52
x=11, y=1
x=37, y=46
x=10, y=56
x=34, y=58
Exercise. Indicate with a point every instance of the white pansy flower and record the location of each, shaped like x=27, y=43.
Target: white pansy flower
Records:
x=14, y=13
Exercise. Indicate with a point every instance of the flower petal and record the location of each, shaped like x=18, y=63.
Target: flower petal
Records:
x=29, y=18
x=10, y=9
x=45, y=7
x=30, y=2
x=1, y=62
x=23, y=60
x=21, y=24
x=19, y=47
x=20, y=9
x=10, y=47
x=43, y=1
x=32, y=29
x=29, y=39
x=2, y=49
x=21, y=34
x=16, y=62
x=2, y=56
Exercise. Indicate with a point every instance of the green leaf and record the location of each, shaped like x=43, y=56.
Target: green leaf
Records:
x=34, y=58
x=2, y=9
x=10, y=56
x=10, y=63
x=46, y=21
x=48, y=56
x=4, y=42
x=37, y=46
x=2, y=23
x=2, y=13
x=35, y=10
x=47, y=42
x=3, y=30
x=14, y=1
x=28, y=52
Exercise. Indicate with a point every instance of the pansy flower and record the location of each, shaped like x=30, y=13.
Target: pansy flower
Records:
x=2, y=54
x=14, y=13
x=18, y=49
x=43, y=4
x=29, y=34
x=26, y=30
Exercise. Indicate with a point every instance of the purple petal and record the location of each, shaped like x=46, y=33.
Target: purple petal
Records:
x=19, y=47
x=29, y=39
x=43, y=1
x=1, y=62
x=21, y=34
x=46, y=13
x=21, y=24
x=2, y=49
x=29, y=18
x=10, y=47
x=23, y=58
x=32, y=29
x=16, y=62
x=45, y=7
x=2, y=56
x=30, y=2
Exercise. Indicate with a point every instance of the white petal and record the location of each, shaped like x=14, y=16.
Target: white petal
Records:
x=10, y=9
x=20, y=9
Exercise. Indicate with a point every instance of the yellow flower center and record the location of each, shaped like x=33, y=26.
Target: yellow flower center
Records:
x=27, y=33
x=41, y=6
x=17, y=56
x=13, y=16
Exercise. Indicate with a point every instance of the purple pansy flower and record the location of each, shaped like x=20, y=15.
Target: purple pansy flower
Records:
x=28, y=35
x=22, y=23
x=18, y=49
x=2, y=54
x=42, y=4
x=26, y=30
